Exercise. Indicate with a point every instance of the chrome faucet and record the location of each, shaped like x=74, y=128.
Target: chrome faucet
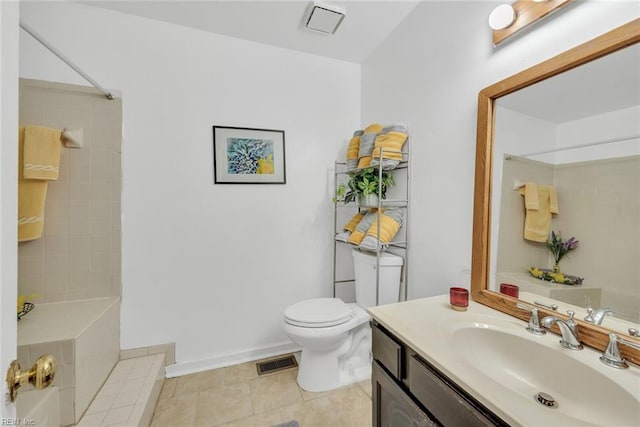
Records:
x=568, y=328
x=596, y=316
x=534, y=322
x=611, y=356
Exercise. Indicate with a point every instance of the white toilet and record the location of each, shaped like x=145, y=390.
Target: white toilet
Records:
x=335, y=336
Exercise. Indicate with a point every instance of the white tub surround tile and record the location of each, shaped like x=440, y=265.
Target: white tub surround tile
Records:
x=129, y=395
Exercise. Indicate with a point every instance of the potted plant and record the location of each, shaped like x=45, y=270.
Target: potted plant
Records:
x=364, y=186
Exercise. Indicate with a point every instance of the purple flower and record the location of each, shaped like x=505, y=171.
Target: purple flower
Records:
x=558, y=247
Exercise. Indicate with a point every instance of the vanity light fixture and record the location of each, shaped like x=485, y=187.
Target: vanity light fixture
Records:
x=502, y=17
x=324, y=18
x=505, y=23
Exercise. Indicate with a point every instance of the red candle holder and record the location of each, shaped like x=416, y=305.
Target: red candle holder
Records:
x=509, y=289
x=459, y=298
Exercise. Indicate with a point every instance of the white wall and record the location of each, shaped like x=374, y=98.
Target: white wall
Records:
x=198, y=257
x=428, y=74
x=8, y=192
x=210, y=267
x=620, y=124
x=515, y=133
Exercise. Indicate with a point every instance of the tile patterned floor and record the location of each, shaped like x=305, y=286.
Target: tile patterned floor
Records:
x=236, y=396
x=126, y=396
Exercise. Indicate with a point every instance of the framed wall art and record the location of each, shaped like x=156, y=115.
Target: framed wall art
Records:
x=248, y=156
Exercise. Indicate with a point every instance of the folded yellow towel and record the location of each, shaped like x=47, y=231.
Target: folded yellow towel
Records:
x=389, y=141
x=356, y=237
x=353, y=150
x=361, y=228
x=41, y=153
x=32, y=194
x=537, y=223
x=388, y=229
x=354, y=146
x=367, y=141
x=390, y=222
x=373, y=128
x=353, y=222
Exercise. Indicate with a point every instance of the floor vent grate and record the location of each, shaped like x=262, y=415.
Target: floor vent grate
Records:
x=274, y=365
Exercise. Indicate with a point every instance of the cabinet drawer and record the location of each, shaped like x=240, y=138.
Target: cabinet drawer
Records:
x=439, y=395
x=392, y=407
x=386, y=351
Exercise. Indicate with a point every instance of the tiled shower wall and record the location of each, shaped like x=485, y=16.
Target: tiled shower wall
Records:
x=599, y=204
x=514, y=252
x=601, y=207
x=79, y=254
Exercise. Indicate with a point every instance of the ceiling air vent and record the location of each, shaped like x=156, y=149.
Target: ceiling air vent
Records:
x=324, y=18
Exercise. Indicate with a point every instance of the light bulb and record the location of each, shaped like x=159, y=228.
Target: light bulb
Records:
x=502, y=17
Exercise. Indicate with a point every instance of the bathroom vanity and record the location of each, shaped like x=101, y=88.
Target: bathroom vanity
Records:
x=435, y=366
x=409, y=391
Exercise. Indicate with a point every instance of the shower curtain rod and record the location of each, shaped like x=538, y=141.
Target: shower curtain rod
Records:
x=64, y=59
x=588, y=144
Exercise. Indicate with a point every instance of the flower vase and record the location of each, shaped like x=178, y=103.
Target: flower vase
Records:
x=556, y=268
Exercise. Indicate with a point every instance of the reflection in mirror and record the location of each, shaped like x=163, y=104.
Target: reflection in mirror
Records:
x=577, y=135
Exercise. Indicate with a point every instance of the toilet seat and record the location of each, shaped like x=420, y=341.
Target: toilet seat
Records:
x=318, y=313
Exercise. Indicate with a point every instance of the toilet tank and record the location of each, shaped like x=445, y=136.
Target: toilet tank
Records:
x=364, y=265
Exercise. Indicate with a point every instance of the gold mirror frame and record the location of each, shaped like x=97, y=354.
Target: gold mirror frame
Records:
x=619, y=38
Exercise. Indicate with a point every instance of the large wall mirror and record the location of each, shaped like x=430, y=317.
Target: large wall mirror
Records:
x=570, y=126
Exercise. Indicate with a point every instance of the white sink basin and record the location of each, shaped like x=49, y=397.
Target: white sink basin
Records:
x=491, y=356
x=528, y=365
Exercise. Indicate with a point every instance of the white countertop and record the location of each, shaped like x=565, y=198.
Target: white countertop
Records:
x=425, y=325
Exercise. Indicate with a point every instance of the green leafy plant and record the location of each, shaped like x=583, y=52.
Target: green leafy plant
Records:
x=364, y=182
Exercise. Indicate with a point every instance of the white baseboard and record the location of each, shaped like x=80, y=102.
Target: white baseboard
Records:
x=185, y=368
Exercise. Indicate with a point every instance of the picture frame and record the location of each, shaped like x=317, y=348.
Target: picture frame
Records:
x=248, y=155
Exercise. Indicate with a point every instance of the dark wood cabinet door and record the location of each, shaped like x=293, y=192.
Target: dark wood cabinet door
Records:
x=392, y=407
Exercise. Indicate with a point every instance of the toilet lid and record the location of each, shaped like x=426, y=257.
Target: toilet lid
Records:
x=318, y=313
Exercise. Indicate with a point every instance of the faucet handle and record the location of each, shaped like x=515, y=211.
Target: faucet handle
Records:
x=571, y=321
x=634, y=332
x=589, y=317
x=611, y=356
x=534, y=321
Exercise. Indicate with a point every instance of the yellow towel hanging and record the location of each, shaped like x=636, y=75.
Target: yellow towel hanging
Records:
x=41, y=153
x=31, y=197
x=539, y=208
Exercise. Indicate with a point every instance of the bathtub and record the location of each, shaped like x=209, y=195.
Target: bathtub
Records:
x=625, y=306
x=84, y=338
